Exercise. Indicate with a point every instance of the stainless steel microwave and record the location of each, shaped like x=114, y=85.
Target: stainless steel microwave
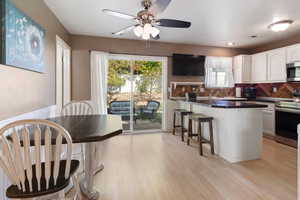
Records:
x=293, y=71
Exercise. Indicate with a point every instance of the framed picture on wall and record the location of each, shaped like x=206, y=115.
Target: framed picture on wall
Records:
x=22, y=39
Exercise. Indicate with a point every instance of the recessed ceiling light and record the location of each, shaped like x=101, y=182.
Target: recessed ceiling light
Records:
x=280, y=25
x=230, y=43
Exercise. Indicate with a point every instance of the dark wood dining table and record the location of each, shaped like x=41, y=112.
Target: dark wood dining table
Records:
x=90, y=130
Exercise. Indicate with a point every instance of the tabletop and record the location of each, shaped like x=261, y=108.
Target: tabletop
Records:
x=90, y=128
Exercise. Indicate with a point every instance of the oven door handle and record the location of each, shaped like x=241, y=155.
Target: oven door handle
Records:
x=296, y=111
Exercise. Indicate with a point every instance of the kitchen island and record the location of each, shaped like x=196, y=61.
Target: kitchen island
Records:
x=238, y=127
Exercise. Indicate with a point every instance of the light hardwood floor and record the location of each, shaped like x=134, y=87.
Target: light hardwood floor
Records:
x=161, y=167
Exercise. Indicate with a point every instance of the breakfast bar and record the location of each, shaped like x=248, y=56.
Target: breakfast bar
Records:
x=238, y=128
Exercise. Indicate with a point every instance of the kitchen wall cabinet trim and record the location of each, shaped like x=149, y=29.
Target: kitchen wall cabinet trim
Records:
x=259, y=68
x=242, y=69
x=277, y=65
x=293, y=53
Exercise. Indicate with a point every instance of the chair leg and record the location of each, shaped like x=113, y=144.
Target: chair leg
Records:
x=78, y=195
x=61, y=195
x=182, y=127
x=200, y=138
x=174, y=123
x=190, y=132
x=211, y=138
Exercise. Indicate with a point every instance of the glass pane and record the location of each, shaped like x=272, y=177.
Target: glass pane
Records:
x=119, y=90
x=147, y=95
x=221, y=77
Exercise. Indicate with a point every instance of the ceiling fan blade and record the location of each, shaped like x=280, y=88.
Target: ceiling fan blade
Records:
x=156, y=38
x=119, y=14
x=172, y=23
x=159, y=6
x=125, y=30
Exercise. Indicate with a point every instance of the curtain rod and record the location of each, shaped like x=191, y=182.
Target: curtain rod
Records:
x=134, y=54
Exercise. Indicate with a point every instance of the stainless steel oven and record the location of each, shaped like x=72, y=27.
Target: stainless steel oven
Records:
x=287, y=119
x=293, y=71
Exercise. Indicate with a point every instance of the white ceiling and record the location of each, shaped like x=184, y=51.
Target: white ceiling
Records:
x=214, y=22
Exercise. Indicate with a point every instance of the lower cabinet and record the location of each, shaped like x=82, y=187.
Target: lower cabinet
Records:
x=268, y=117
x=269, y=122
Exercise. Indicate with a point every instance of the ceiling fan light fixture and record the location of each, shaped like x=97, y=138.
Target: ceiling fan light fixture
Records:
x=146, y=36
x=155, y=32
x=280, y=25
x=138, y=31
x=148, y=28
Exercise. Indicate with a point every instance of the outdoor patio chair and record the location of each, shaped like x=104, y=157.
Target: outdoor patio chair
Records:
x=150, y=110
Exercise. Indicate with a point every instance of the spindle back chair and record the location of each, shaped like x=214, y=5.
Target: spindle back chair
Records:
x=31, y=158
x=77, y=108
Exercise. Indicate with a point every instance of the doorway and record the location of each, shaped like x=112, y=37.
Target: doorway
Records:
x=136, y=91
x=63, y=73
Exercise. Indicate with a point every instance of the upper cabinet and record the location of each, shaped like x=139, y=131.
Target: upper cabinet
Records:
x=259, y=68
x=277, y=65
x=293, y=53
x=266, y=67
x=242, y=68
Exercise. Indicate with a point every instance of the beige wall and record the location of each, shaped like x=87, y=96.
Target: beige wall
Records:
x=24, y=91
x=277, y=44
x=81, y=57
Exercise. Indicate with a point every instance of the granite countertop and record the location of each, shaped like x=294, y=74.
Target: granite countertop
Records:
x=228, y=104
x=271, y=99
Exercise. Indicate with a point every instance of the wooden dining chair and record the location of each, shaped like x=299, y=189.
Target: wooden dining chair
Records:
x=31, y=158
x=76, y=108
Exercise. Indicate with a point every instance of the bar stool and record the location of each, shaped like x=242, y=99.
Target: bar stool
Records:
x=200, y=118
x=182, y=113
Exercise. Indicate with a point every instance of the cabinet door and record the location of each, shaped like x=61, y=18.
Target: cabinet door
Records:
x=247, y=65
x=293, y=53
x=237, y=68
x=259, y=67
x=277, y=65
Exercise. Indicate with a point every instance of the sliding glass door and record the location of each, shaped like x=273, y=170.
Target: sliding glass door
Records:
x=135, y=91
x=119, y=90
x=147, y=95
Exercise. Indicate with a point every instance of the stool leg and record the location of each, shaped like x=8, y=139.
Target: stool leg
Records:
x=211, y=138
x=174, y=123
x=182, y=127
x=190, y=131
x=200, y=138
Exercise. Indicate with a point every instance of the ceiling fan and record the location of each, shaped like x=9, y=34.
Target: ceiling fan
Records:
x=146, y=22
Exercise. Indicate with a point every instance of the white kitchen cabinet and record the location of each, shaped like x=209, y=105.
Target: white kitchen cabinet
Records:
x=259, y=68
x=268, y=117
x=277, y=65
x=242, y=68
x=269, y=122
x=293, y=53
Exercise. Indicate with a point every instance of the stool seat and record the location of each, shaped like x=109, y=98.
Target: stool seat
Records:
x=197, y=116
x=182, y=111
x=201, y=118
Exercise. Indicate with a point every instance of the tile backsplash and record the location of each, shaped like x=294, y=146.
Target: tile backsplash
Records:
x=276, y=90
x=200, y=90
